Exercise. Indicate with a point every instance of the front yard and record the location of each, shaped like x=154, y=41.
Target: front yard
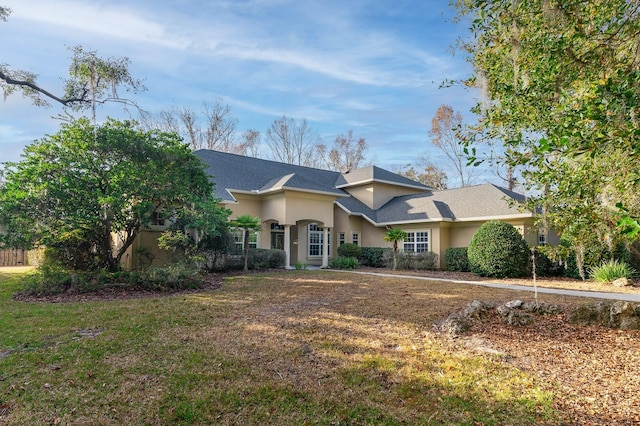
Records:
x=308, y=347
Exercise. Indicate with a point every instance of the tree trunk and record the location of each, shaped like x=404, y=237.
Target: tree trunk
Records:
x=246, y=250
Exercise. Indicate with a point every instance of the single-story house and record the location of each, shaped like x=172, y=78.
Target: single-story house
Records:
x=309, y=212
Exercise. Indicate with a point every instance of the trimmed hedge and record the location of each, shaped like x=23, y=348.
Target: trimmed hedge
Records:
x=456, y=259
x=498, y=250
x=412, y=261
x=349, y=250
x=373, y=256
x=258, y=259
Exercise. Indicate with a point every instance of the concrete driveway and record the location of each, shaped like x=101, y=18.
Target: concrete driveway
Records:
x=578, y=293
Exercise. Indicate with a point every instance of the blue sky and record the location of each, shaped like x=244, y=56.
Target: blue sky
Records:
x=371, y=66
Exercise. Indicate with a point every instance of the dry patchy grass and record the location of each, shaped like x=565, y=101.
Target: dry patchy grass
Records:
x=290, y=348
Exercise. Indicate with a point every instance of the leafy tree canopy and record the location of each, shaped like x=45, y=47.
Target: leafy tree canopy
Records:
x=90, y=190
x=561, y=88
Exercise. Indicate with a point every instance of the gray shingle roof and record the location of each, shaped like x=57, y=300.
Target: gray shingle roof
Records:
x=480, y=201
x=232, y=172
x=376, y=174
x=237, y=172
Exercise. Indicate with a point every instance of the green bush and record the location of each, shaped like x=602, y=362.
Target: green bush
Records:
x=610, y=271
x=498, y=250
x=54, y=279
x=456, y=259
x=173, y=277
x=343, y=262
x=412, y=261
x=258, y=259
x=349, y=250
x=373, y=256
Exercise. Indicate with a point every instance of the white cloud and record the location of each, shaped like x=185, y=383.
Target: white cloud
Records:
x=90, y=17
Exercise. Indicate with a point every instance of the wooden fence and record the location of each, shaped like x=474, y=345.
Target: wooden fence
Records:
x=13, y=258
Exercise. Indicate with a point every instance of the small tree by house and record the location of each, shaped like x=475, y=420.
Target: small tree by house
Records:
x=247, y=224
x=394, y=235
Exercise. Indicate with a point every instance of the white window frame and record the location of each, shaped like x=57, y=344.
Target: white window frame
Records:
x=418, y=241
x=355, y=238
x=315, y=240
x=342, y=238
x=238, y=237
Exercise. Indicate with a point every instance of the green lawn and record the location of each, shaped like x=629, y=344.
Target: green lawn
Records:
x=292, y=348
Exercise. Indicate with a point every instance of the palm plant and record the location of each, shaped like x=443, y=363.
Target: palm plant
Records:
x=247, y=223
x=394, y=235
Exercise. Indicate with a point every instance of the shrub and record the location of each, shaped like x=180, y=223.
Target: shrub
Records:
x=343, y=262
x=373, y=256
x=173, y=277
x=258, y=259
x=498, y=250
x=349, y=250
x=456, y=259
x=411, y=261
x=300, y=266
x=610, y=271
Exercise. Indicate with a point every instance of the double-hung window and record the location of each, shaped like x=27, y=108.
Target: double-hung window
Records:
x=355, y=238
x=416, y=242
x=316, y=240
x=239, y=239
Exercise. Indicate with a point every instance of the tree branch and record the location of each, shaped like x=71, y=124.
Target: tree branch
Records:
x=13, y=82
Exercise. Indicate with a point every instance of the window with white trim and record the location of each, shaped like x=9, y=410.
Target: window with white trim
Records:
x=416, y=242
x=316, y=240
x=341, y=238
x=355, y=238
x=238, y=237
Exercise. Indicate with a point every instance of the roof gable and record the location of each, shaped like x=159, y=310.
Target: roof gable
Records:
x=479, y=202
x=376, y=174
x=232, y=172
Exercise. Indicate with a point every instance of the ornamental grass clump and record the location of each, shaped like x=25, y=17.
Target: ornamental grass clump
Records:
x=610, y=271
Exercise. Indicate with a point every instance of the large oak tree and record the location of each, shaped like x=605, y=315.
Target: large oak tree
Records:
x=561, y=86
x=88, y=191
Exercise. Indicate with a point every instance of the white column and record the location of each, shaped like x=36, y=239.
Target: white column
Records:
x=287, y=246
x=325, y=247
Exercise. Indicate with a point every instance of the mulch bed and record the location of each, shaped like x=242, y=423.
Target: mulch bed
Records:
x=596, y=369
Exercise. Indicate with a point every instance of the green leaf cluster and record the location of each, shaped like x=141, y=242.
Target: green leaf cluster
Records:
x=561, y=88
x=89, y=190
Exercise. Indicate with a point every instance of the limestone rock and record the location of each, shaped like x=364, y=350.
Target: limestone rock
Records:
x=621, y=282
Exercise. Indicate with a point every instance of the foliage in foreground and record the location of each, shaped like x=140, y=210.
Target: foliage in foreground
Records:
x=234, y=356
x=74, y=190
x=611, y=271
x=561, y=91
x=51, y=280
x=498, y=250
